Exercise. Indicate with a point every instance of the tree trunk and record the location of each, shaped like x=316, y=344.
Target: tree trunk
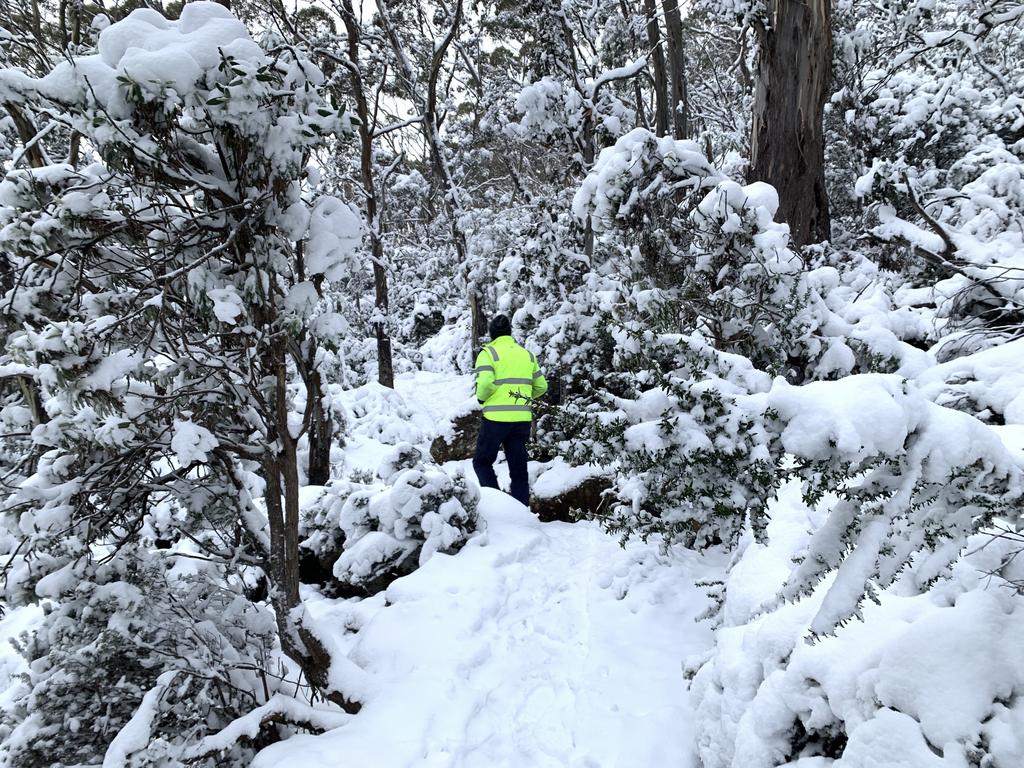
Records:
x=321, y=431
x=385, y=365
x=661, y=95
x=679, y=97
x=281, y=474
x=787, y=146
x=638, y=92
x=435, y=146
x=34, y=152
x=479, y=321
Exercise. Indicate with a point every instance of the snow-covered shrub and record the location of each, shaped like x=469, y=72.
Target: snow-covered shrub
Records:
x=672, y=222
x=639, y=183
x=107, y=638
x=163, y=317
x=691, y=462
x=913, y=481
x=988, y=384
x=743, y=286
x=689, y=274
x=964, y=226
x=935, y=131
x=695, y=431
x=379, y=530
x=549, y=110
x=861, y=319
x=925, y=680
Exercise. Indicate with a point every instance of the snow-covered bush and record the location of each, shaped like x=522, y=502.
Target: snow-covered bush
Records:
x=963, y=224
x=549, y=110
x=691, y=462
x=928, y=99
x=163, y=311
x=641, y=183
x=911, y=481
x=924, y=680
x=708, y=295
x=370, y=533
x=744, y=287
x=105, y=641
x=674, y=224
x=861, y=319
x=988, y=384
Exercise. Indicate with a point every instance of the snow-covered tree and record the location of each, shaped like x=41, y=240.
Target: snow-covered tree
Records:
x=929, y=99
x=166, y=296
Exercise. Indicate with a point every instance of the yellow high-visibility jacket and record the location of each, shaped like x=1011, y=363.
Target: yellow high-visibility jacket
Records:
x=508, y=378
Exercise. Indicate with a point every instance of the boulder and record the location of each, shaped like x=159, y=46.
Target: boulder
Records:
x=390, y=567
x=585, y=499
x=459, y=442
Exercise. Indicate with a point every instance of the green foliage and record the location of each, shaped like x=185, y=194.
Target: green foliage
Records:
x=695, y=459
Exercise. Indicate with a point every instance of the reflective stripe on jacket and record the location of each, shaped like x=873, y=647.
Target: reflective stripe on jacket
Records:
x=508, y=378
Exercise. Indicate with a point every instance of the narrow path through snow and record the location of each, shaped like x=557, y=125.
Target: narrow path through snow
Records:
x=537, y=645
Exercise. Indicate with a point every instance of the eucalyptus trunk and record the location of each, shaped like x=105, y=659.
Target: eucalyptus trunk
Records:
x=679, y=99
x=787, y=146
x=661, y=79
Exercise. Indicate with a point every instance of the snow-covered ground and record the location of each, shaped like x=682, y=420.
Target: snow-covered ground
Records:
x=536, y=645
x=551, y=645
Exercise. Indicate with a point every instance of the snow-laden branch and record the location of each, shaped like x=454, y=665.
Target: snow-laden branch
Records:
x=136, y=733
x=397, y=126
x=618, y=73
x=280, y=709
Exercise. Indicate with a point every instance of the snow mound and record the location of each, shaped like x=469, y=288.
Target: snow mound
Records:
x=989, y=383
x=602, y=193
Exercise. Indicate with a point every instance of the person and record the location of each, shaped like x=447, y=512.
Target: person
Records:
x=508, y=380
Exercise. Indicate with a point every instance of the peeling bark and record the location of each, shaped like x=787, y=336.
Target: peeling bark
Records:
x=787, y=138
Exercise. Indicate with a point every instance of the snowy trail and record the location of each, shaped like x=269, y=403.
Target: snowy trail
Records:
x=536, y=646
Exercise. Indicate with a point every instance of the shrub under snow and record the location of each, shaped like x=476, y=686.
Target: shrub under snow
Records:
x=370, y=533
x=927, y=680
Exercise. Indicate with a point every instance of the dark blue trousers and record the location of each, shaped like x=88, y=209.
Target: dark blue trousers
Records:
x=512, y=437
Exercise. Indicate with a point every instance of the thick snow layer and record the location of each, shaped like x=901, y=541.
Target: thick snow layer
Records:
x=602, y=194
x=191, y=442
x=991, y=380
x=536, y=645
x=556, y=477
x=873, y=415
x=156, y=54
x=925, y=681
